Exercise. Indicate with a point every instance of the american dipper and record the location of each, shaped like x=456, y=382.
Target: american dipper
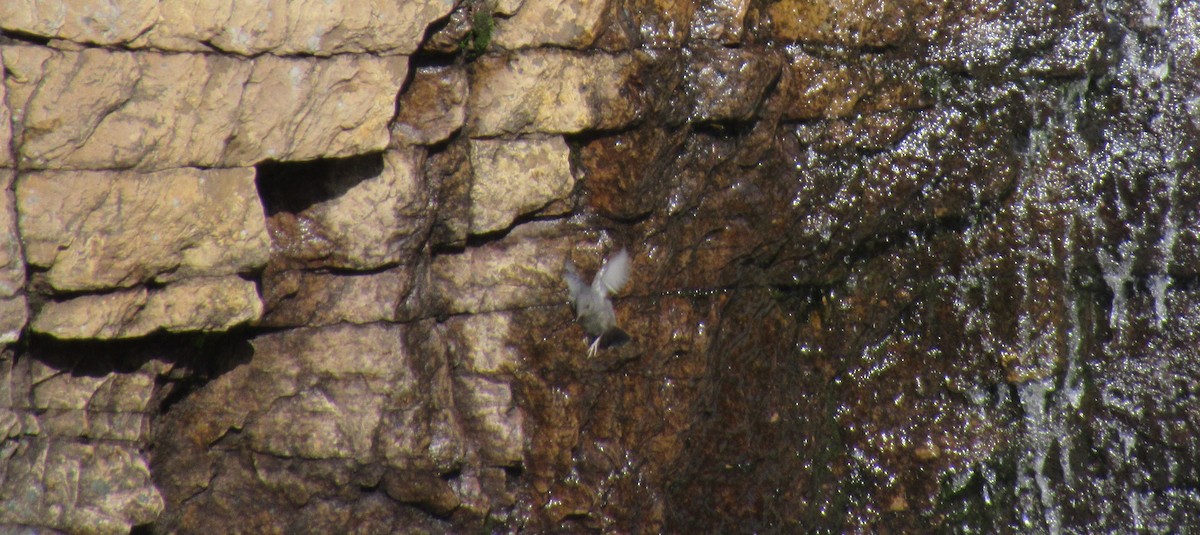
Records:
x=593, y=310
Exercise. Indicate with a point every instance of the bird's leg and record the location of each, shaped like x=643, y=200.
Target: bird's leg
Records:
x=592, y=349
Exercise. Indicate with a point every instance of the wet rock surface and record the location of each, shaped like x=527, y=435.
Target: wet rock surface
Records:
x=896, y=267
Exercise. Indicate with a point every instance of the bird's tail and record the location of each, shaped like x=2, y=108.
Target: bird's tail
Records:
x=614, y=337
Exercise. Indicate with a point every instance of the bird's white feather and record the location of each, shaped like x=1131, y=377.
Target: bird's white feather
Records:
x=613, y=275
x=575, y=284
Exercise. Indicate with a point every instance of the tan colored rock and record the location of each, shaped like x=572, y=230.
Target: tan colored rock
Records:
x=507, y=7
x=115, y=392
x=360, y=368
x=13, y=315
x=720, y=20
x=874, y=23
x=551, y=91
x=285, y=27
x=516, y=177
x=320, y=424
x=105, y=229
x=200, y=304
x=432, y=107
x=6, y=160
x=124, y=426
x=101, y=109
x=485, y=347
x=113, y=406
x=279, y=27
x=91, y=316
x=522, y=270
x=381, y=217
x=12, y=264
x=570, y=24
x=102, y=22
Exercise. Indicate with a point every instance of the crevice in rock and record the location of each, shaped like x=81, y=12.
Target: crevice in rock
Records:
x=16, y=37
x=293, y=187
x=206, y=357
x=482, y=239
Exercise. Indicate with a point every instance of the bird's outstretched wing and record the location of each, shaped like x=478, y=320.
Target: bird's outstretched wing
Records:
x=575, y=285
x=613, y=275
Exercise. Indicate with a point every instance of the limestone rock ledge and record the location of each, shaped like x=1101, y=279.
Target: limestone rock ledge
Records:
x=281, y=27
x=97, y=230
x=102, y=109
x=196, y=304
x=88, y=233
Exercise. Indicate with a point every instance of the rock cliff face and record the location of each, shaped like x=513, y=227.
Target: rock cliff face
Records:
x=898, y=266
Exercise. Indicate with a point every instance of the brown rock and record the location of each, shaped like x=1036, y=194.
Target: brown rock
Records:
x=622, y=171
x=450, y=176
x=378, y=217
x=646, y=24
x=299, y=298
x=426, y=491
x=857, y=23
x=551, y=91
x=14, y=312
x=720, y=20
x=432, y=107
x=538, y=23
x=292, y=26
x=728, y=84
x=198, y=304
x=104, y=229
x=100, y=109
x=814, y=88
x=346, y=406
x=515, y=178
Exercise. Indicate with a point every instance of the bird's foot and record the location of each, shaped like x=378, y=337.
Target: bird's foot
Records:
x=595, y=347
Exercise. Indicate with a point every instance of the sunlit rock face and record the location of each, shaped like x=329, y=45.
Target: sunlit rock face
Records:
x=897, y=266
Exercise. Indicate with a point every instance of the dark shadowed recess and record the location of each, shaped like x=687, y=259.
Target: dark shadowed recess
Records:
x=191, y=359
x=12, y=37
x=294, y=186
